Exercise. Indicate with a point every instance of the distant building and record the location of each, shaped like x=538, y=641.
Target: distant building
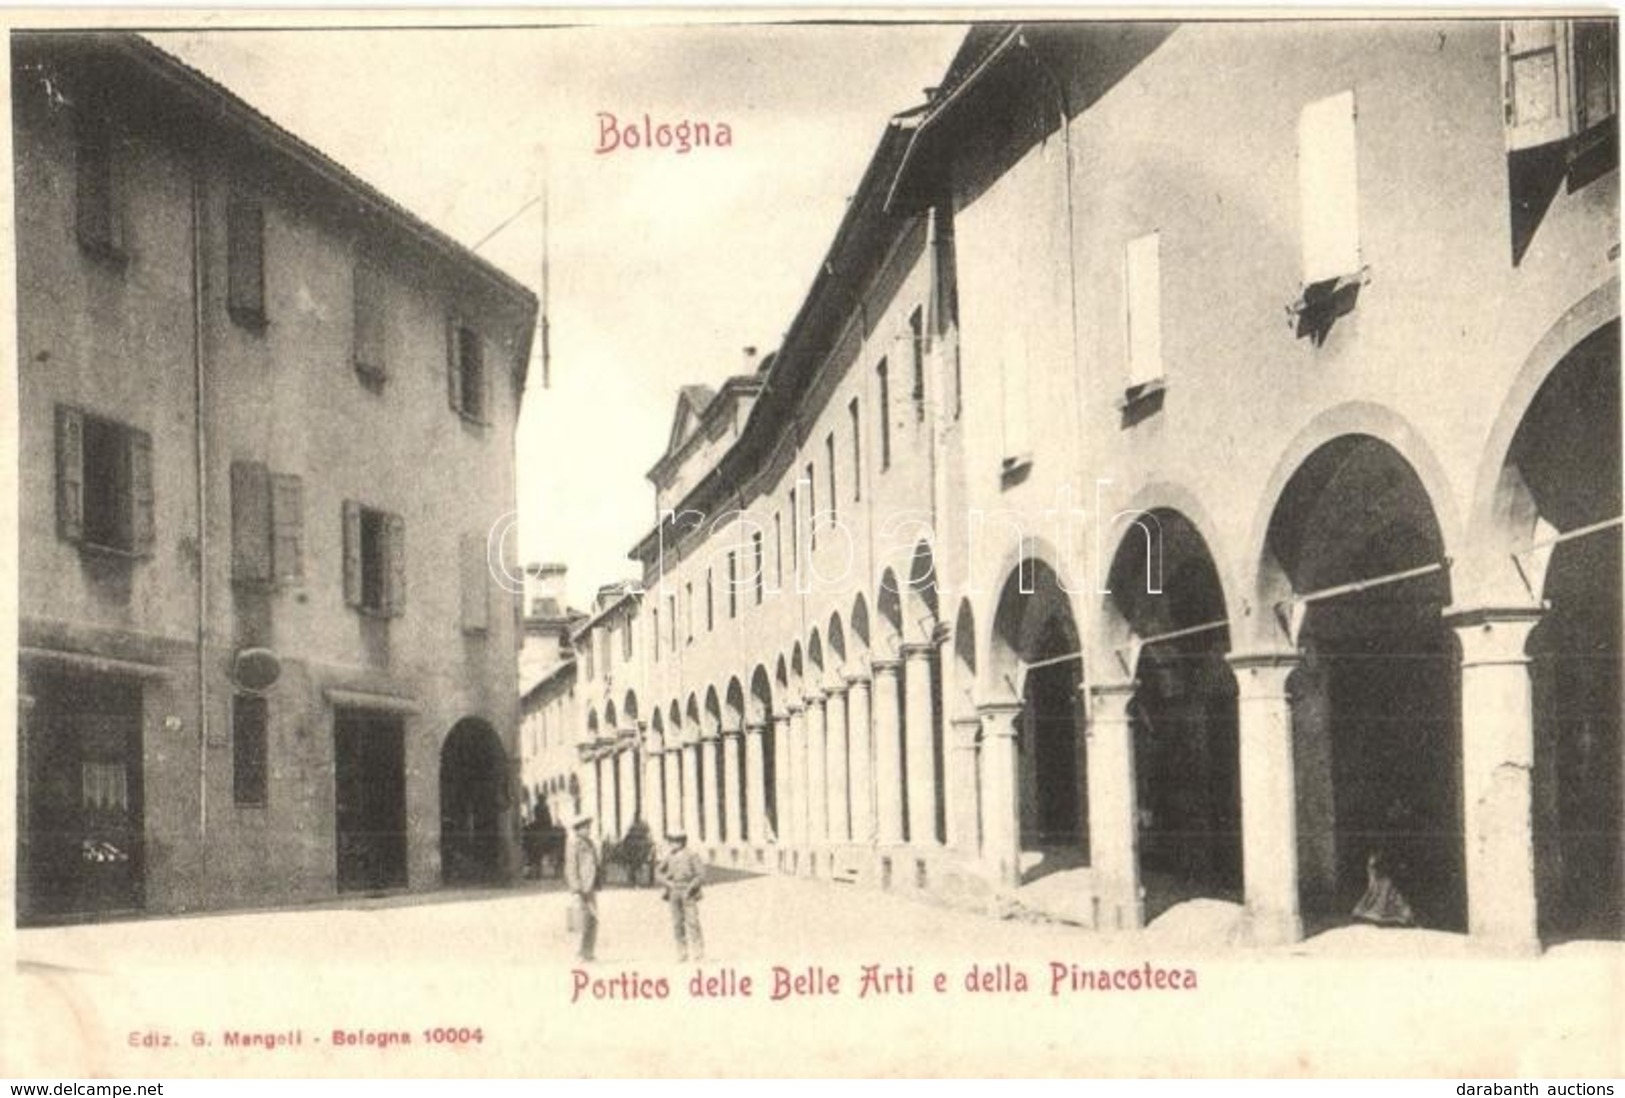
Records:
x=549, y=714
x=267, y=421
x=1195, y=493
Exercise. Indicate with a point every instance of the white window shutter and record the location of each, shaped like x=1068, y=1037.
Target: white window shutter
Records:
x=288, y=528
x=1535, y=81
x=352, y=553
x=395, y=551
x=1143, y=292
x=143, y=522
x=1328, y=189
x=250, y=522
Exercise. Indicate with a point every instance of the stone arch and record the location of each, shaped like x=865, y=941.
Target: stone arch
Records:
x=629, y=708
x=761, y=712
x=474, y=825
x=860, y=626
x=836, y=636
x=889, y=610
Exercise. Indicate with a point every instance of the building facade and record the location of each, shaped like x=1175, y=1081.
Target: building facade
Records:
x=1193, y=502
x=267, y=420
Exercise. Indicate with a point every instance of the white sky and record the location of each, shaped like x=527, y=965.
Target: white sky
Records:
x=664, y=266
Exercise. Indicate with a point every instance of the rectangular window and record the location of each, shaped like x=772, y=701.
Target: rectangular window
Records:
x=1559, y=78
x=710, y=603
x=795, y=533
x=688, y=589
x=812, y=509
x=1328, y=189
x=671, y=619
x=250, y=715
x=778, y=546
x=1142, y=285
x=104, y=483
x=368, y=353
x=756, y=550
x=98, y=217
x=834, y=492
x=374, y=560
x=654, y=623
x=245, y=261
x=857, y=451
x=475, y=583
x=267, y=526
x=626, y=642
x=885, y=415
x=466, y=381
x=916, y=330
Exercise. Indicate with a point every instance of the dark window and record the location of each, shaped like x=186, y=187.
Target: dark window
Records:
x=249, y=721
x=795, y=534
x=857, y=451
x=104, y=483
x=465, y=372
x=834, y=492
x=710, y=604
x=688, y=590
x=756, y=548
x=885, y=415
x=626, y=641
x=98, y=217
x=812, y=509
x=374, y=560
x=778, y=545
x=733, y=588
x=916, y=328
x=245, y=261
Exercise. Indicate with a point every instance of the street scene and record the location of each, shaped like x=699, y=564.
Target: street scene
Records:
x=879, y=529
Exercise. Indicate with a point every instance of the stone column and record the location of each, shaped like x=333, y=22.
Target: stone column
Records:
x=1497, y=760
x=1000, y=804
x=961, y=793
x=1269, y=812
x=1114, y=839
x=672, y=759
x=755, y=786
x=798, y=775
x=589, y=785
x=920, y=729
x=691, y=791
x=817, y=791
x=888, y=752
x=782, y=795
x=835, y=764
x=628, y=766
x=733, y=785
x=710, y=809
x=860, y=760
x=654, y=789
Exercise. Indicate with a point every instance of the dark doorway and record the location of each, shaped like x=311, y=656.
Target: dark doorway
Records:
x=80, y=808
x=473, y=784
x=369, y=778
x=1051, y=703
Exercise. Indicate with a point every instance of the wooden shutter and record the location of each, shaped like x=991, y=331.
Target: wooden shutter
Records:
x=1596, y=76
x=475, y=589
x=245, y=260
x=352, y=553
x=1328, y=189
x=368, y=303
x=288, y=528
x=142, y=519
x=1535, y=81
x=70, y=473
x=250, y=522
x=454, y=365
x=395, y=553
x=1142, y=285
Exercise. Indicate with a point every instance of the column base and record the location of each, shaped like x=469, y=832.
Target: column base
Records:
x=1273, y=928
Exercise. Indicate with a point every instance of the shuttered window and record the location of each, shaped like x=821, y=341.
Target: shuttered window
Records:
x=475, y=586
x=1328, y=189
x=374, y=560
x=467, y=386
x=267, y=526
x=1142, y=285
x=245, y=261
x=368, y=300
x=104, y=483
x=1559, y=78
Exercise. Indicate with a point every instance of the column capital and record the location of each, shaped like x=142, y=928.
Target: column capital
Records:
x=999, y=718
x=755, y=728
x=886, y=666
x=1111, y=691
x=811, y=700
x=1263, y=673
x=857, y=679
x=835, y=690
x=1492, y=635
x=965, y=730
x=793, y=709
x=732, y=733
x=1260, y=659
x=917, y=650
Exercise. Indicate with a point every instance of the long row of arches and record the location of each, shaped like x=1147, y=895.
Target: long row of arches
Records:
x=1378, y=676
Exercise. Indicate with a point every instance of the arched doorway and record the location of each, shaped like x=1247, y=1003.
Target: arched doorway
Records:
x=1355, y=540
x=473, y=800
x=1563, y=467
x=1037, y=652
x=1165, y=594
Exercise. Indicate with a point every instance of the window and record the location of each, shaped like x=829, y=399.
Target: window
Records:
x=589, y=655
x=368, y=350
x=374, y=560
x=249, y=721
x=474, y=582
x=245, y=261
x=1559, y=78
x=98, y=215
x=267, y=526
x=710, y=603
x=688, y=590
x=104, y=483
x=916, y=329
x=778, y=545
x=1328, y=189
x=654, y=622
x=465, y=372
x=834, y=492
x=885, y=416
x=812, y=509
x=1142, y=286
x=626, y=642
x=671, y=619
x=795, y=533
x=857, y=451
x=733, y=588
x=756, y=549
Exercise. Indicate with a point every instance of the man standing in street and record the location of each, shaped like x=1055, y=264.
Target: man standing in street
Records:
x=581, y=878
x=681, y=874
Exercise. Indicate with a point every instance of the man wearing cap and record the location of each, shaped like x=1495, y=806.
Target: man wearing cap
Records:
x=681, y=874
x=581, y=878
